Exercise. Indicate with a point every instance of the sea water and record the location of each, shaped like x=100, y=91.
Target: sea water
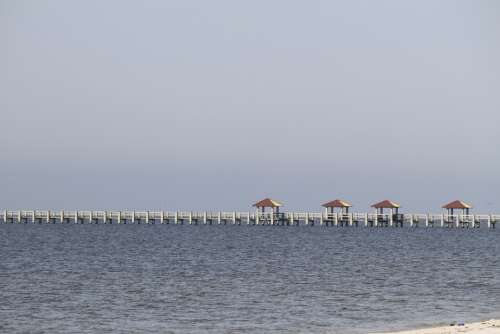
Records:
x=243, y=279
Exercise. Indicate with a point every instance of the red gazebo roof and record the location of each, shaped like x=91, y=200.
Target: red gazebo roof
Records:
x=267, y=203
x=457, y=205
x=386, y=205
x=338, y=203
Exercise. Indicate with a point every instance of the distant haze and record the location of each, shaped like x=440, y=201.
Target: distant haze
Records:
x=203, y=105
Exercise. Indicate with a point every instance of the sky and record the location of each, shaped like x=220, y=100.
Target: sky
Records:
x=213, y=105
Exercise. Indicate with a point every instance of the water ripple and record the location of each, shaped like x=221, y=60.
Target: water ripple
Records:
x=242, y=279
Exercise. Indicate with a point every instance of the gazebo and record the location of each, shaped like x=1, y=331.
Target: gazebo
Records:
x=393, y=207
x=450, y=219
x=344, y=211
x=386, y=204
x=457, y=205
x=274, y=205
x=338, y=203
x=268, y=203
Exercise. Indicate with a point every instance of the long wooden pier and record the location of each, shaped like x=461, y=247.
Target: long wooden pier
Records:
x=249, y=218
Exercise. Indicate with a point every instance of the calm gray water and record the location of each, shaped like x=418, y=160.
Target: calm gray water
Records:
x=242, y=279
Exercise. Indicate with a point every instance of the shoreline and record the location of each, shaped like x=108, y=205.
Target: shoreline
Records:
x=480, y=327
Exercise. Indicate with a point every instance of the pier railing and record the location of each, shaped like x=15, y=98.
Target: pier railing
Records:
x=248, y=218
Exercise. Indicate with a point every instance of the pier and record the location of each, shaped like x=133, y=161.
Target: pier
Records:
x=329, y=217
x=335, y=219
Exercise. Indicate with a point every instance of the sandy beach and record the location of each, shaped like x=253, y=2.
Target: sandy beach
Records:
x=483, y=327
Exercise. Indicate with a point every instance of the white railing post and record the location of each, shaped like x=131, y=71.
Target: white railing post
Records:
x=234, y=218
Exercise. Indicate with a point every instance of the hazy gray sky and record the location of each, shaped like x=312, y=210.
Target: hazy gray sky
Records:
x=215, y=104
